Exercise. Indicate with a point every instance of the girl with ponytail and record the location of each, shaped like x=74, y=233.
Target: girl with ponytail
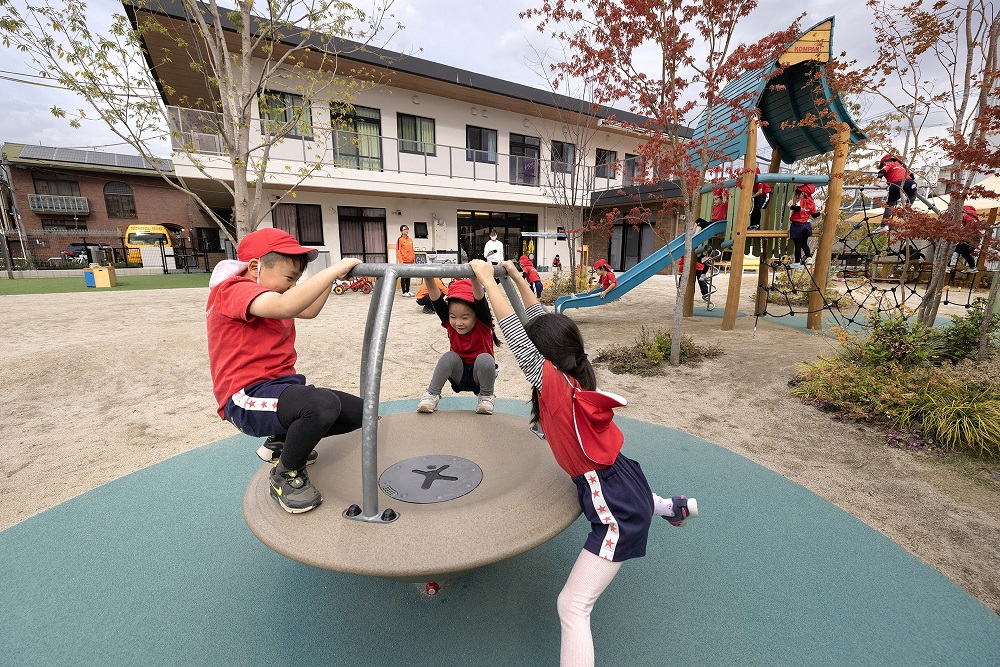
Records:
x=577, y=421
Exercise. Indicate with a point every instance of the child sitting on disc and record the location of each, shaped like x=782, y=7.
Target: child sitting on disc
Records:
x=469, y=363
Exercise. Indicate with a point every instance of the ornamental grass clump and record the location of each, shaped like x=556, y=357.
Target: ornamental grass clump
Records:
x=908, y=377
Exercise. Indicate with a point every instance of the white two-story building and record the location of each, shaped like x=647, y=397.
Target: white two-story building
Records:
x=449, y=153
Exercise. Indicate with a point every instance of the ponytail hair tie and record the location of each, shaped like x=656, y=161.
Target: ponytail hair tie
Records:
x=580, y=358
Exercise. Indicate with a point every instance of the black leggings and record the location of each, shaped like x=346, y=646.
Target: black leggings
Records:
x=311, y=414
x=964, y=251
x=802, y=250
x=404, y=284
x=759, y=204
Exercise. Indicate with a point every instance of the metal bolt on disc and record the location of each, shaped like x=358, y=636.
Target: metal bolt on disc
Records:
x=433, y=478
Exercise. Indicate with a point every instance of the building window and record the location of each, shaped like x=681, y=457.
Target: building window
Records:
x=53, y=183
x=362, y=233
x=416, y=134
x=64, y=223
x=525, y=152
x=606, y=163
x=481, y=144
x=303, y=221
x=119, y=200
x=357, y=136
x=632, y=169
x=563, y=157
x=285, y=114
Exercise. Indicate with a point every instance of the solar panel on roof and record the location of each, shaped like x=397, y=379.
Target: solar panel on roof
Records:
x=119, y=160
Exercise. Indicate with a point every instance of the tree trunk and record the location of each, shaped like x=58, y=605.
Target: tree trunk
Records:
x=991, y=303
x=675, y=336
x=928, y=308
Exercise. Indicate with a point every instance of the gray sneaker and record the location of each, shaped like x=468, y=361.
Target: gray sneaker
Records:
x=486, y=404
x=428, y=402
x=293, y=491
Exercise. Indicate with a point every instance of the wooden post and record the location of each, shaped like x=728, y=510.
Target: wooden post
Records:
x=821, y=266
x=689, y=292
x=987, y=236
x=740, y=230
x=772, y=169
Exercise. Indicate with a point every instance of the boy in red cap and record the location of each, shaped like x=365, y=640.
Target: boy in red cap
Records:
x=251, y=353
x=531, y=275
x=578, y=421
x=605, y=276
x=469, y=364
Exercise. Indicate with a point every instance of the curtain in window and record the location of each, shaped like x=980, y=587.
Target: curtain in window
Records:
x=375, y=241
x=352, y=242
x=284, y=218
x=310, y=224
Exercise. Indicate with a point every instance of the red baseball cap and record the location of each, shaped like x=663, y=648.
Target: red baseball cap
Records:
x=257, y=244
x=602, y=264
x=461, y=290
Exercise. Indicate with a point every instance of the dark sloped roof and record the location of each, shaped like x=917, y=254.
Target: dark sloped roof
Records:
x=799, y=92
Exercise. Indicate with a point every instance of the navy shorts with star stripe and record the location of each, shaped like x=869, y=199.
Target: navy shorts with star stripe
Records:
x=618, y=503
x=254, y=409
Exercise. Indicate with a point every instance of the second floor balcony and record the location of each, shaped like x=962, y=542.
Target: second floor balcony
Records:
x=59, y=204
x=192, y=131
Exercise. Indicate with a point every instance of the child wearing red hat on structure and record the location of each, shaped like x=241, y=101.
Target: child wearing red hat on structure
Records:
x=900, y=181
x=469, y=364
x=803, y=210
x=577, y=420
x=970, y=220
x=531, y=275
x=251, y=314
x=605, y=276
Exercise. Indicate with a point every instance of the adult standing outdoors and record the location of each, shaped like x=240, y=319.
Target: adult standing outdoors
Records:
x=493, y=250
x=404, y=255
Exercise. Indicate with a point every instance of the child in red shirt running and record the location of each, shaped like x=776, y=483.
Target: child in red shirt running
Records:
x=605, y=276
x=531, y=275
x=577, y=420
x=251, y=353
x=970, y=219
x=470, y=364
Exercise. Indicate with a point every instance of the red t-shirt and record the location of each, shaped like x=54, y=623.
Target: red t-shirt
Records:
x=470, y=345
x=807, y=206
x=244, y=349
x=721, y=210
x=894, y=172
x=531, y=275
x=577, y=423
x=607, y=280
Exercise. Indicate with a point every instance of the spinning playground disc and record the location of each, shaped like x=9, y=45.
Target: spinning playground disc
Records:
x=523, y=500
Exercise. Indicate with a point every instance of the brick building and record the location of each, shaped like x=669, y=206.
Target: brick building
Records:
x=62, y=196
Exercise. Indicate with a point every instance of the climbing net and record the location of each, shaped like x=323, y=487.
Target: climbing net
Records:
x=873, y=275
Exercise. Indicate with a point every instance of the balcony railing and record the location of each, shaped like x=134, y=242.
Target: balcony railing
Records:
x=59, y=204
x=193, y=130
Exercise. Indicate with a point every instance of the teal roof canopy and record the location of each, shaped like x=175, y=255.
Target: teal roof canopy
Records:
x=801, y=91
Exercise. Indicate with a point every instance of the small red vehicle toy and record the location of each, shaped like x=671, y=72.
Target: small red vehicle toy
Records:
x=364, y=284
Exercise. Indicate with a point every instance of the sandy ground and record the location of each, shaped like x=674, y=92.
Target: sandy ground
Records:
x=98, y=385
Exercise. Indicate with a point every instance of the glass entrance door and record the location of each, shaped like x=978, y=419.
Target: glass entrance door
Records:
x=474, y=231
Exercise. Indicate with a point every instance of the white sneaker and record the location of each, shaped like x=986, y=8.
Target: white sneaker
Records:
x=808, y=260
x=485, y=406
x=428, y=402
x=794, y=266
x=971, y=271
x=881, y=229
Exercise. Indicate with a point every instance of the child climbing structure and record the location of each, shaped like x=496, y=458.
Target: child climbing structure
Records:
x=800, y=116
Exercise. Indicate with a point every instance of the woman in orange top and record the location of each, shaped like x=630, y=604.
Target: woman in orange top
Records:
x=404, y=255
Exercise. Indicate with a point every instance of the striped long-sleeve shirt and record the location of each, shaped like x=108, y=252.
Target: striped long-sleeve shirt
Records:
x=528, y=357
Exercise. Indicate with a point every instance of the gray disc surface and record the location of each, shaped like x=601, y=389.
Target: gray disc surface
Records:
x=433, y=478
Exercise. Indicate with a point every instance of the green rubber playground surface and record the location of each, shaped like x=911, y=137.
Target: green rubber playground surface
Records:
x=159, y=568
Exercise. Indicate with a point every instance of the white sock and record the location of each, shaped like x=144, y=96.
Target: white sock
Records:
x=663, y=506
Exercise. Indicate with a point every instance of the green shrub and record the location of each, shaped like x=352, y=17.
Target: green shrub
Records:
x=960, y=339
x=961, y=417
x=561, y=284
x=890, y=340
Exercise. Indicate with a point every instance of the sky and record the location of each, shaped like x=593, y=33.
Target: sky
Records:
x=483, y=37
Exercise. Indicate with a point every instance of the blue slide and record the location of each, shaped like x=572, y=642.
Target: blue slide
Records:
x=650, y=266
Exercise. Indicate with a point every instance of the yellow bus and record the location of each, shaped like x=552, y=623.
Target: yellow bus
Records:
x=143, y=236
